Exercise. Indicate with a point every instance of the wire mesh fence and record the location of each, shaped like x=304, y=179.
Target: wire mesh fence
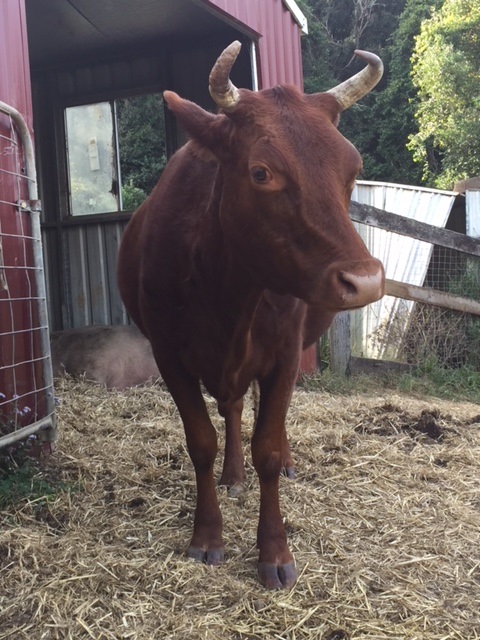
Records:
x=415, y=332
x=26, y=385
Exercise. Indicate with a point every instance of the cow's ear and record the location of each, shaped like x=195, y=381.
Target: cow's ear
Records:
x=202, y=126
x=326, y=103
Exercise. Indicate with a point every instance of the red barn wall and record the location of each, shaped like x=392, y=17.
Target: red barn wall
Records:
x=22, y=388
x=279, y=54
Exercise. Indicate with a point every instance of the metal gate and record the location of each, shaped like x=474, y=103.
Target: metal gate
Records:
x=27, y=403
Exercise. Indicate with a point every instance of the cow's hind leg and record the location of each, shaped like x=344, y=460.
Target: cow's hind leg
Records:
x=288, y=464
x=206, y=544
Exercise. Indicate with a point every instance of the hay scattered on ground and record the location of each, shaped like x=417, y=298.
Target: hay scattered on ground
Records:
x=383, y=519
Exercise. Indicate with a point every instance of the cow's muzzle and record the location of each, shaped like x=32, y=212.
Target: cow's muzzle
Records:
x=351, y=285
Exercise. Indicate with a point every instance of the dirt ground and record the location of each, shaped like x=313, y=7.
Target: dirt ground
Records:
x=383, y=519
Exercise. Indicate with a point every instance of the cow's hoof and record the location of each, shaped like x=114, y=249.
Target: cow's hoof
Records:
x=236, y=490
x=277, y=576
x=289, y=472
x=207, y=556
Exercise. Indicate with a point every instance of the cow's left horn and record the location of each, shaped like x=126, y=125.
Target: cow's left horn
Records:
x=221, y=88
x=350, y=91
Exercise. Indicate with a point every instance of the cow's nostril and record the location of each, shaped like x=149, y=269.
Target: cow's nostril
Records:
x=350, y=288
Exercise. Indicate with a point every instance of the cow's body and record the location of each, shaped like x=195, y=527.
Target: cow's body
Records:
x=116, y=357
x=240, y=258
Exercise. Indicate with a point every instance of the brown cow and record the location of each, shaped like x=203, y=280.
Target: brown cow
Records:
x=241, y=257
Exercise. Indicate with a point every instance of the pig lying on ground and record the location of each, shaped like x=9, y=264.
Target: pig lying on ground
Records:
x=115, y=356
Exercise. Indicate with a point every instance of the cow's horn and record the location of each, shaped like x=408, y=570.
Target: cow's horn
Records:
x=348, y=92
x=221, y=88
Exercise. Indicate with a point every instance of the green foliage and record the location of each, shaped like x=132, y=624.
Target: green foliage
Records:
x=24, y=476
x=451, y=384
x=141, y=135
x=317, y=74
x=381, y=123
x=447, y=77
x=428, y=380
x=132, y=197
x=347, y=385
x=24, y=483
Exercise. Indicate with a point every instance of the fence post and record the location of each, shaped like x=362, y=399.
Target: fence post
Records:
x=340, y=344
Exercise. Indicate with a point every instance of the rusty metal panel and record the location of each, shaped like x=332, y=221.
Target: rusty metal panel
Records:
x=77, y=308
x=113, y=233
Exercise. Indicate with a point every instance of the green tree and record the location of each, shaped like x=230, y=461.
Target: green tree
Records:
x=336, y=29
x=447, y=75
x=393, y=113
x=317, y=72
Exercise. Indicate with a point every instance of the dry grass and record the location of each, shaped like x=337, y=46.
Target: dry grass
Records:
x=383, y=519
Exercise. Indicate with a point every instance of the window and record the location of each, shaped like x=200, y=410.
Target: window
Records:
x=115, y=153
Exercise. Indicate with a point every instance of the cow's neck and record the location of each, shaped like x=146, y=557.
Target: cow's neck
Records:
x=235, y=296
x=224, y=273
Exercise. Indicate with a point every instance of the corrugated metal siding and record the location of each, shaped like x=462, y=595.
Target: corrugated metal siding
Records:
x=279, y=48
x=405, y=259
x=243, y=13
x=15, y=71
x=92, y=253
x=472, y=205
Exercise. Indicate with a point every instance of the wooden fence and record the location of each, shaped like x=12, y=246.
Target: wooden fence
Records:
x=341, y=359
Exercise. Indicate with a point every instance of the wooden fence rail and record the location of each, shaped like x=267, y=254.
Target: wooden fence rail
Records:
x=366, y=214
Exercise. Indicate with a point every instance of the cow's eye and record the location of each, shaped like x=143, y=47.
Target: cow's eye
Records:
x=259, y=174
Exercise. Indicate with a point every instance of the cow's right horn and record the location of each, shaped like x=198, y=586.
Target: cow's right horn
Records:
x=221, y=88
x=350, y=91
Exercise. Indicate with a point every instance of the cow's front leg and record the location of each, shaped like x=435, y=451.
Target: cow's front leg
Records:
x=276, y=567
x=233, y=473
x=206, y=544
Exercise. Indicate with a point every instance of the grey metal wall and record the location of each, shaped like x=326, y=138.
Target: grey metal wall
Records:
x=89, y=288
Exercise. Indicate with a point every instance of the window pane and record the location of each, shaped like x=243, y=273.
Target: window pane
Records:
x=141, y=142
x=91, y=159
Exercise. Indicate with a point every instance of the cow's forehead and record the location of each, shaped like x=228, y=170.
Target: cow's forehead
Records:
x=298, y=125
